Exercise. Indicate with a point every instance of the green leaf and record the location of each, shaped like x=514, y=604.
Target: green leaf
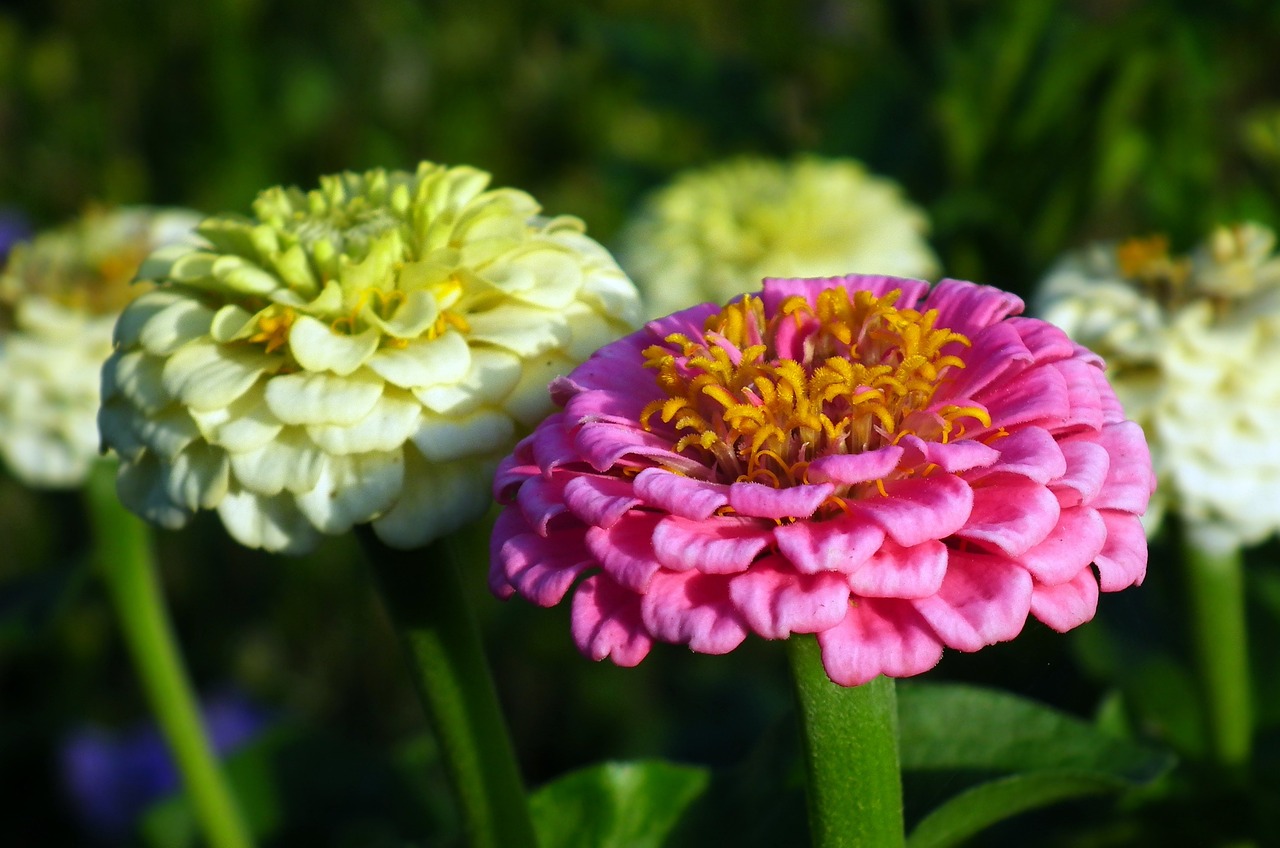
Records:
x=615, y=804
x=1009, y=755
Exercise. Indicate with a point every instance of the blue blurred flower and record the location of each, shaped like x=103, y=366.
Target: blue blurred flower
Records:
x=13, y=229
x=113, y=776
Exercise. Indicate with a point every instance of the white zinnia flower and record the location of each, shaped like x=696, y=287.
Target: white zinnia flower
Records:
x=360, y=353
x=718, y=231
x=1184, y=339
x=60, y=295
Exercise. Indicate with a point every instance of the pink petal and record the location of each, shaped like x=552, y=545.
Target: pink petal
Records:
x=967, y=307
x=851, y=468
x=993, y=351
x=836, y=544
x=540, y=569
x=1036, y=395
x=1129, y=482
x=604, y=443
x=1029, y=452
x=687, y=322
x=1066, y=605
x=1123, y=560
x=721, y=545
x=898, y=572
x=694, y=609
x=616, y=407
x=626, y=549
x=510, y=523
x=617, y=367
x=606, y=622
x=1087, y=465
x=541, y=499
x=1068, y=549
x=512, y=472
x=680, y=495
x=599, y=501
x=984, y=599
x=760, y=501
x=878, y=637
x=776, y=602
x=1014, y=515
x=920, y=508
x=1046, y=342
x=1086, y=403
x=778, y=289
x=962, y=455
x=552, y=444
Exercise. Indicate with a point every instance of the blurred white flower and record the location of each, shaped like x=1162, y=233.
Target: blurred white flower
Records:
x=361, y=353
x=60, y=295
x=718, y=231
x=1187, y=340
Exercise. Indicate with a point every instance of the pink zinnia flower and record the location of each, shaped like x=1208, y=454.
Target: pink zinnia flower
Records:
x=893, y=468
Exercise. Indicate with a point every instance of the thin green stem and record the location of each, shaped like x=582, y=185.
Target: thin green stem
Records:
x=125, y=563
x=854, y=781
x=424, y=594
x=1215, y=591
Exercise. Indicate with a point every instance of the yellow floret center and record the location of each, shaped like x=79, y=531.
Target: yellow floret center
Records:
x=865, y=376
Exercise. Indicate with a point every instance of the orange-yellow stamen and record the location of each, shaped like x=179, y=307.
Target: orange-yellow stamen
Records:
x=273, y=330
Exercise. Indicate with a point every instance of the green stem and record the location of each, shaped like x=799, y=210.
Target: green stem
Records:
x=854, y=782
x=125, y=563
x=424, y=594
x=1215, y=591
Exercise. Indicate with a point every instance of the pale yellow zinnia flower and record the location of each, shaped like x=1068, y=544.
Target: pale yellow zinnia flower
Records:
x=60, y=295
x=1186, y=340
x=718, y=231
x=360, y=353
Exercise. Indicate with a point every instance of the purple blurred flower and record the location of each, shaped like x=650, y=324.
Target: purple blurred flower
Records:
x=113, y=776
x=13, y=229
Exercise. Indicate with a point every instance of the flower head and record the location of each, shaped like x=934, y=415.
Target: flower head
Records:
x=717, y=232
x=60, y=295
x=359, y=353
x=893, y=468
x=1184, y=338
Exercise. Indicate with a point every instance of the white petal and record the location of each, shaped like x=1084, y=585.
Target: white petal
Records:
x=525, y=330
x=199, y=477
x=438, y=361
x=142, y=489
x=290, y=461
x=140, y=311
x=445, y=437
x=530, y=401
x=354, y=490
x=393, y=419
x=271, y=523
x=243, y=426
x=166, y=432
x=172, y=327
x=307, y=398
x=207, y=376
x=319, y=348
x=493, y=374
x=437, y=498
x=137, y=377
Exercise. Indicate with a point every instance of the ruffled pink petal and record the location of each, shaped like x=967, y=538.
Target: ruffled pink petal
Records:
x=512, y=471
x=778, y=289
x=694, y=609
x=626, y=549
x=837, y=544
x=604, y=443
x=1046, y=342
x=1038, y=395
x=552, y=444
x=1066, y=605
x=1087, y=465
x=776, y=602
x=616, y=407
x=541, y=499
x=599, y=501
x=878, y=637
x=920, y=508
x=852, y=468
x=721, y=545
x=967, y=308
x=1086, y=403
x=993, y=352
x=1013, y=516
x=510, y=523
x=1122, y=561
x=680, y=495
x=898, y=572
x=1069, y=548
x=760, y=501
x=543, y=569
x=686, y=322
x=961, y=455
x=606, y=622
x=1129, y=483
x=1029, y=452
x=983, y=600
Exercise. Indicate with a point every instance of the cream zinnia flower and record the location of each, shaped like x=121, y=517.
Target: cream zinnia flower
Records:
x=717, y=232
x=1184, y=338
x=60, y=295
x=363, y=352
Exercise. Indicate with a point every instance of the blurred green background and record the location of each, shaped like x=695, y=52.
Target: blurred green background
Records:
x=1023, y=128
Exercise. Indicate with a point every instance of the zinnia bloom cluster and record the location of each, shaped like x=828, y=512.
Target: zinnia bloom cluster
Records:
x=1183, y=338
x=359, y=353
x=717, y=231
x=60, y=295
x=894, y=468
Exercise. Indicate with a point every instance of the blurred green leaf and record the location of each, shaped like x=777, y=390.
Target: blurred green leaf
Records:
x=616, y=805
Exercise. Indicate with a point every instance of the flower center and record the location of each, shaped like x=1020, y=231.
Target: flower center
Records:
x=760, y=398
x=1146, y=262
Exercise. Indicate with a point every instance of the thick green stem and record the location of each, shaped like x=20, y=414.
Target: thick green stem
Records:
x=854, y=782
x=424, y=594
x=1215, y=591
x=124, y=560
